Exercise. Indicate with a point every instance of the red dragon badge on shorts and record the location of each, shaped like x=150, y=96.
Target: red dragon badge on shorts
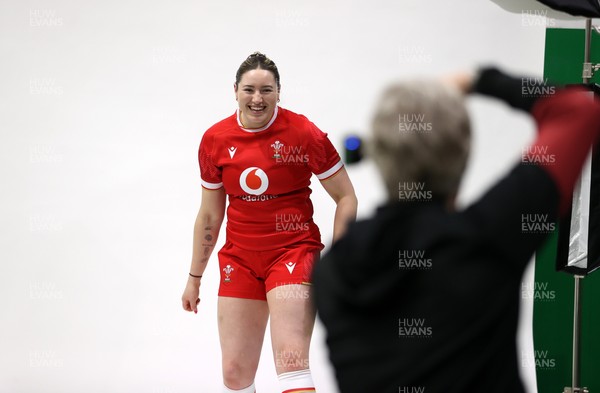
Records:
x=228, y=269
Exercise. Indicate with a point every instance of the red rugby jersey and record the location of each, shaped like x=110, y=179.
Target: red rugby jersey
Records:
x=266, y=175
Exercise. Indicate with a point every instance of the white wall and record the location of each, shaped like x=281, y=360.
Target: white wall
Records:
x=102, y=108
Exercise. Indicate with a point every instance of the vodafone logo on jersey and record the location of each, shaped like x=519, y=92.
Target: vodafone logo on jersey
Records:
x=254, y=181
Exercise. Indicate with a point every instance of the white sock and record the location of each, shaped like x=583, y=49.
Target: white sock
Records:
x=296, y=382
x=249, y=389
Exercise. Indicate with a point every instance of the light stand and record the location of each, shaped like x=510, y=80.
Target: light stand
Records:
x=588, y=73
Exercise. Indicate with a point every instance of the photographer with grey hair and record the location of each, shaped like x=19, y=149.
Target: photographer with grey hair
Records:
x=425, y=297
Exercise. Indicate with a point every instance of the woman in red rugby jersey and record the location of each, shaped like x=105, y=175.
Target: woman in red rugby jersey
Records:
x=262, y=158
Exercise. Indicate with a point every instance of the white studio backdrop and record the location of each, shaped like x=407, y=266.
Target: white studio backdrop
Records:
x=102, y=107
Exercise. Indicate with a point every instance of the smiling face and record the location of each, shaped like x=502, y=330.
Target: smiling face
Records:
x=257, y=97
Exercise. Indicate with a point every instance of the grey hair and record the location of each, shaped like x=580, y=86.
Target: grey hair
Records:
x=421, y=134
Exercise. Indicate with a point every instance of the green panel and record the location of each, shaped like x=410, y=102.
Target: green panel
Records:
x=553, y=313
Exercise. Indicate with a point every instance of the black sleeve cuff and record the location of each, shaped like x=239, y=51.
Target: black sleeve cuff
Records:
x=520, y=93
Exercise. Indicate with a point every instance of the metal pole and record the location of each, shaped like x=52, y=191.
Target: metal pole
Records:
x=577, y=298
x=588, y=46
x=576, y=383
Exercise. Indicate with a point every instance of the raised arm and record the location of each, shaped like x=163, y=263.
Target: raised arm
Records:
x=520, y=209
x=206, y=230
x=568, y=123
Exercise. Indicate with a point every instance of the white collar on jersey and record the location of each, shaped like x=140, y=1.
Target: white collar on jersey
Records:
x=237, y=115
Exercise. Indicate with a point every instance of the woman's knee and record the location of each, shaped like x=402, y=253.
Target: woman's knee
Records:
x=238, y=374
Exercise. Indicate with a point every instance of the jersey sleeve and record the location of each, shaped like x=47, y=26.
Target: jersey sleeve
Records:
x=568, y=126
x=210, y=174
x=324, y=160
x=521, y=210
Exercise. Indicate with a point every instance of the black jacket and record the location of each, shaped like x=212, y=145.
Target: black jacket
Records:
x=422, y=299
